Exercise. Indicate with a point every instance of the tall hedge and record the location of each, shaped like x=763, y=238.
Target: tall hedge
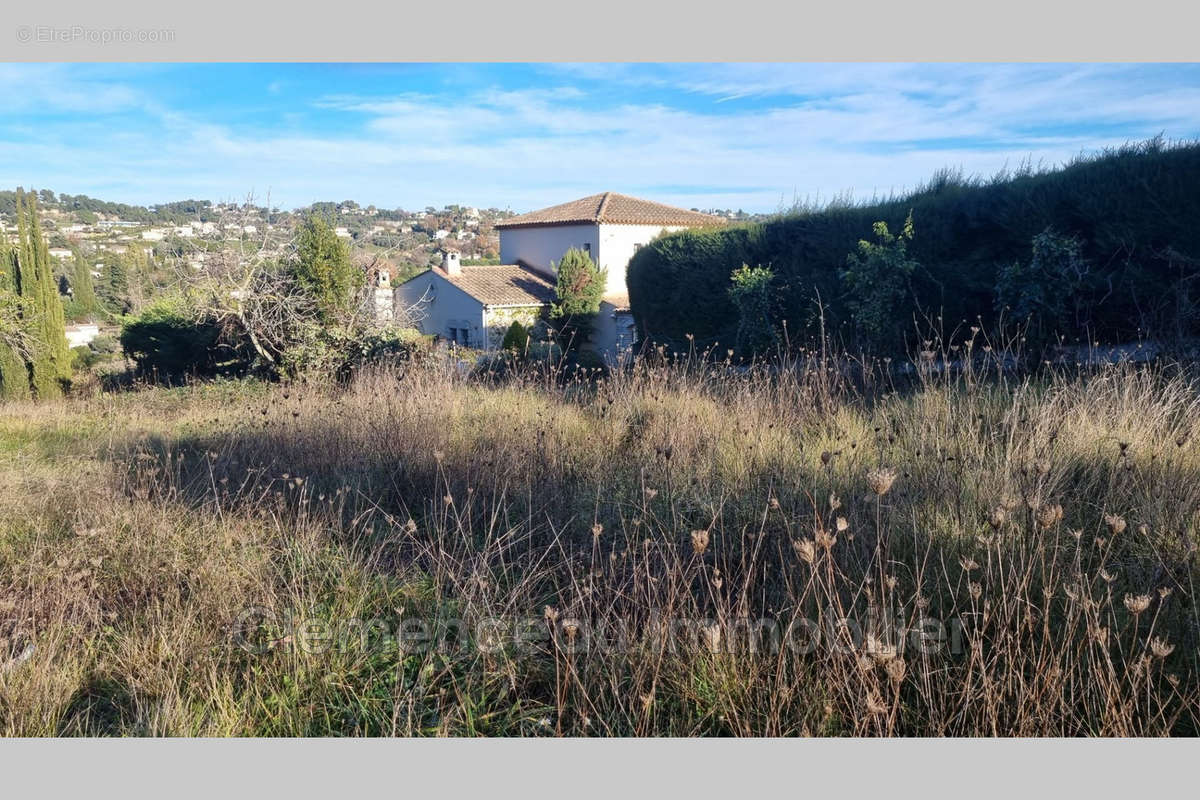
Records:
x=1132, y=210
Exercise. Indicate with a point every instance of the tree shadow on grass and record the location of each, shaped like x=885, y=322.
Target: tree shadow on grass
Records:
x=103, y=706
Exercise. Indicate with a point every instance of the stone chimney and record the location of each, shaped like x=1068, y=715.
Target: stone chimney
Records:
x=450, y=263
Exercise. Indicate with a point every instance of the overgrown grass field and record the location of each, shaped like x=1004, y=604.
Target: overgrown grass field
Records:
x=673, y=551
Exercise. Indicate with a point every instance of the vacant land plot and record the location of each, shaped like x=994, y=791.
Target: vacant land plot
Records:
x=667, y=552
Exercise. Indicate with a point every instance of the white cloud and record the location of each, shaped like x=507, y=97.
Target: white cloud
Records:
x=743, y=135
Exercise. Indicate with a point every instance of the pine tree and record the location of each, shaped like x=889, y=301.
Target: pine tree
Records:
x=14, y=372
x=580, y=288
x=51, y=363
x=580, y=284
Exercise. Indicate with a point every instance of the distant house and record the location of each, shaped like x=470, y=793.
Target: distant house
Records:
x=78, y=335
x=343, y=233
x=61, y=252
x=610, y=227
x=475, y=306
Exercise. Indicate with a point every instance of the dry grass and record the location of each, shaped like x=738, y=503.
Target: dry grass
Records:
x=640, y=542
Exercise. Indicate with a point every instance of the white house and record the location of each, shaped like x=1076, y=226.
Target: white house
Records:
x=474, y=306
x=610, y=227
x=81, y=334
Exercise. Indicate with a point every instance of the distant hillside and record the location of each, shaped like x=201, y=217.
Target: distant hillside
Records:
x=1121, y=259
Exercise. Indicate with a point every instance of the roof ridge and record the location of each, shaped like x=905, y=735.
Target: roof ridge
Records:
x=603, y=205
x=614, y=208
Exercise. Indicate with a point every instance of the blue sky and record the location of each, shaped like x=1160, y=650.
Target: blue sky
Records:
x=522, y=136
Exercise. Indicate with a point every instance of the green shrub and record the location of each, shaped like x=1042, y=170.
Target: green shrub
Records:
x=83, y=357
x=877, y=284
x=751, y=293
x=1052, y=287
x=516, y=339
x=340, y=352
x=105, y=344
x=166, y=342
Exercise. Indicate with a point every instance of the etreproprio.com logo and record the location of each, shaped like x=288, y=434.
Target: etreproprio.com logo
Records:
x=76, y=34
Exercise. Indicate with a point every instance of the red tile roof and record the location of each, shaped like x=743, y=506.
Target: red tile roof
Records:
x=612, y=208
x=503, y=285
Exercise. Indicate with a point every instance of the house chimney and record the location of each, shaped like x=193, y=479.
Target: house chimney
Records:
x=450, y=263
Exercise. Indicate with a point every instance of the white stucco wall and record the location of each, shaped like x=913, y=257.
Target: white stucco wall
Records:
x=538, y=246
x=611, y=246
x=445, y=306
x=618, y=243
x=81, y=334
x=497, y=321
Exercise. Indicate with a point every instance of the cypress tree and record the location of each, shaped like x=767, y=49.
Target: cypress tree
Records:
x=116, y=286
x=51, y=363
x=81, y=285
x=14, y=372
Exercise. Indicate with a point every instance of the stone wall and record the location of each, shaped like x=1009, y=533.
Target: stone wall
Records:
x=499, y=320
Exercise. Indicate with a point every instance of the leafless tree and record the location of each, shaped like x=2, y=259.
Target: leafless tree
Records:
x=242, y=282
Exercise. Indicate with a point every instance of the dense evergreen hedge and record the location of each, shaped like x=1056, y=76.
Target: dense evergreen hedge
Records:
x=1135, y=212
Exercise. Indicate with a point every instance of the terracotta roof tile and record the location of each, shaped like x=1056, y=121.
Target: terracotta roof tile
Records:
x=612, y=208
x=503, y=285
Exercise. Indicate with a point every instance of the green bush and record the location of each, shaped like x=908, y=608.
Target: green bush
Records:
x=751, y=293
x=516, y=339
x=166, y=342
x=104, y=344
x=1131, y=210
x=83, y=357
x=877, y=284
x=340, y=352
